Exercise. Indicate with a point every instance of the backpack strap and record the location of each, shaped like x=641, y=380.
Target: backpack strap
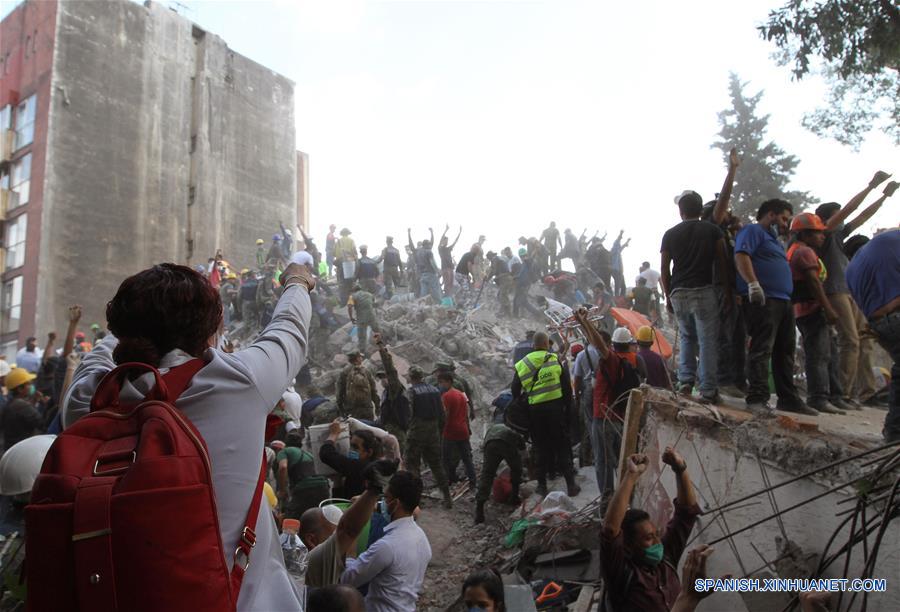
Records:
x=178, y=378
x=248, y=535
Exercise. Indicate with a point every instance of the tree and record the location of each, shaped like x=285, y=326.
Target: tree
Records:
x=855, y=46
x=765, y=169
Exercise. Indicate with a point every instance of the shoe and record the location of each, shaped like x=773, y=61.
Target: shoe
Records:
x=710, y=400
x=840, y=404
x=826, y=407
x=732, y=391
x=541, y=489
x=760, y=408
x=572, y=490
x=799, y=408
x=686, y=389
x=855, y=405
x=479, y=513
x=873, y=402
x=448, y=499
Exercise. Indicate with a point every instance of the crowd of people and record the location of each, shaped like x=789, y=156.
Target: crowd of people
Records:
x=738, y=292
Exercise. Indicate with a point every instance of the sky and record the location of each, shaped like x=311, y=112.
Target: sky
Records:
x=503, y=116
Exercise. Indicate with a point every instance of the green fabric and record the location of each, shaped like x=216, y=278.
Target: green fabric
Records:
x=499, y=431
x=364, y=305
x=293, y=455
x=548, y=387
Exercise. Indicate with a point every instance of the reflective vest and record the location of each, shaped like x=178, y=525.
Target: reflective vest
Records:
x=548, y=385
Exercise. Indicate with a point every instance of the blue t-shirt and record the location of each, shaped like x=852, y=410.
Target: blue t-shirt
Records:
x=769, y=262
x=874, y=273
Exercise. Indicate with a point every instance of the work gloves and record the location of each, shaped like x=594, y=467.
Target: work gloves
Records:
x=756, y=293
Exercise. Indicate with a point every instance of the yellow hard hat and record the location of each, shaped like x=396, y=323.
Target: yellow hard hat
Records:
x=260, y=241
x=18, y=377
x=270, y=495
x=645, y=333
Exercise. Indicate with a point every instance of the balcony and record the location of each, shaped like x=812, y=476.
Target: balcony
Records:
x=7, y=146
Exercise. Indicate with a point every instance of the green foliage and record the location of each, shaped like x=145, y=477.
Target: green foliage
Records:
x=855, y=46
x=765, y=169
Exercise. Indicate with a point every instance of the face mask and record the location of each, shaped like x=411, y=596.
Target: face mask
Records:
x=31, y=389
x=476, y=609
x=653, y=554
x=353, y=454
x=385, y=513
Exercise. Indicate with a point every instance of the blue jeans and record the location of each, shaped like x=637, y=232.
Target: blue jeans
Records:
x=429, y=284
x=887, y=329
x=606, y=443
x=697, y=311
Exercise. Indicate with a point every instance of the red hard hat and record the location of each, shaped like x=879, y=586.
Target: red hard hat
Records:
x=807, y=221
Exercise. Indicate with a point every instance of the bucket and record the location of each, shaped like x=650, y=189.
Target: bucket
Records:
x=349, y=269
x=316, y=435
x=362, y=540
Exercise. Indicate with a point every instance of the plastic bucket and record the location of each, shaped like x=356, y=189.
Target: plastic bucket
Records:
x=316, y=435
x=349, y=269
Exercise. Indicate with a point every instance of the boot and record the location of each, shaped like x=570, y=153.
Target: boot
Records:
x=514, y=499
x=572, y=489
x=479, y=512
x=541, y=487
x=448, y=500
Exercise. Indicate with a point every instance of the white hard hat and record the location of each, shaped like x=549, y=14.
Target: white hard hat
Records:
x=622, y=336
x=4, y=368
x=21, y=464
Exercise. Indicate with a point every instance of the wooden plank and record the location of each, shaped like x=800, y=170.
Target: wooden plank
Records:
x=633, y=413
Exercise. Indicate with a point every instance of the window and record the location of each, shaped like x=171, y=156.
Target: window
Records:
x=25, y=113
x=20, y=182
x=15, y=241
x=9, y=351
x=11, y=306
x=5, y=118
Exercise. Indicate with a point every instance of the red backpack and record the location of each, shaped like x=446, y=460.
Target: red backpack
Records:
x=123, y=514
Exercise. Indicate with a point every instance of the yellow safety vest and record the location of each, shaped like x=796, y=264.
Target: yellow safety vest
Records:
x=548, y=385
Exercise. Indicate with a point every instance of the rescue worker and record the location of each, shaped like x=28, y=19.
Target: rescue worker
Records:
x=544, y=383
x=657, y=372
x=423, y=441
x=361, y=310
x=499, y=271
x=299, y=488
x=460, y=382
x=392, y=262
x=367, y=273
x=357, y=394
x=345, y=257
x=394, y=417
x=500, y=444
x=260, y=252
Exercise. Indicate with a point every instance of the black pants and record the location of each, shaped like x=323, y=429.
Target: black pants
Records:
x=732, y=345
x=817, y=355
x=549, y=433
x=495, y=452
x=772, y=339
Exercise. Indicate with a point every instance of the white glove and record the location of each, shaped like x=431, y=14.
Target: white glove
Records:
x=756, y=293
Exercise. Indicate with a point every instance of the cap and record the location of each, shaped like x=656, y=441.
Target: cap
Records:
x=416, y=371
x=18, y=377
x=353, y=354
x=345, y=232
x=380, y=374
x=277, y=444
x=689, y=192
x=622, y=336
x=645, y=333
x=444, y=365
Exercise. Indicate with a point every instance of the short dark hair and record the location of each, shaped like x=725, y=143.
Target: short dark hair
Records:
x=406, y=487
x=370, y=442
x=490, y=581
x=160, y=309
x=773, y=206
x=690, y=205
x=333, y=598
x=606, y=337
x=642, y=281
x=630, y=521
x=445, y=377
x=826, y=210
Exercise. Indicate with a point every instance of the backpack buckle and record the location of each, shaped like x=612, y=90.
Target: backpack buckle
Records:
x=245, y=545
x=115, y=457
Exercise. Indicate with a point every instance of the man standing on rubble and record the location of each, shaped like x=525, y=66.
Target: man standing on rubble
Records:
x=445, y=251
x=500, y=444
x=544, y=384
x=345, y=258
x=357, y=393
x=392, y=262
x=423, y=441
x=551, y=240
x=499, y=271
x=368, y=271
x=330, y=242
x=395, y=413
x=426, y=268
x=361, y=303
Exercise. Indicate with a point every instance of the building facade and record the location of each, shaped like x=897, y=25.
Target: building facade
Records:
x=130, y=137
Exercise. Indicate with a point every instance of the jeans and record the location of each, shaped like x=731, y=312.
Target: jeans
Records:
x=835, y=390
x=772, y=339
x=732, y=345
x=887, y=330
x=430, y=285
x=697, y=311
x=817, y=354
x=453, y=451
x=606, y=443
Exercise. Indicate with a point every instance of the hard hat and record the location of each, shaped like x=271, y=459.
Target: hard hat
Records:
x=245, y=270
x=79, y=336
x=645, y=334
x=18, y=377
x=4, y=368
x=807, y=221
x=288, y=233
x=622, y=336
x=95, y=327
x=260, y=241
x=270, y=495
x=276, y=237
x=21, y=464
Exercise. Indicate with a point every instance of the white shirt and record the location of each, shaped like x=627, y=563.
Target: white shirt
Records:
x=394, y=567
x=652, y=277
x=29, y=360
x=582, y=368
x=228, y=401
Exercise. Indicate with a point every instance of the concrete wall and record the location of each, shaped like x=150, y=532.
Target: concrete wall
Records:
x=164, y=145
x=729, y=472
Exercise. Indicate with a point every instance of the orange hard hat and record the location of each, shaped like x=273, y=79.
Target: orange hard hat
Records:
x=807, y=221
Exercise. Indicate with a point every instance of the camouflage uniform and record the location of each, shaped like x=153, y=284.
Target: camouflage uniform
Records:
x=423, y=441
x=389, y=398
x=356, y=410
